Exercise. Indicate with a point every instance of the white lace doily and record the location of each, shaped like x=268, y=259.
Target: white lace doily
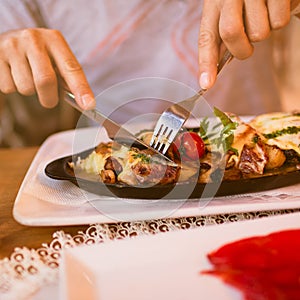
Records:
x=27, y=270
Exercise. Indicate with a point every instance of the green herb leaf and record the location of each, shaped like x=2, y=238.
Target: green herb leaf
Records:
x=277, y=133
x=220, y=137
x=144, y=158
x=222, y=116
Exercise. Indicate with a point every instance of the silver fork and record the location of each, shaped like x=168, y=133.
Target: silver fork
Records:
x=173, y=118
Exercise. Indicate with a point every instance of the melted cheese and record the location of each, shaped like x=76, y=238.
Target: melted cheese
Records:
x=95, y=162
x=243, y=135
x=280, y=129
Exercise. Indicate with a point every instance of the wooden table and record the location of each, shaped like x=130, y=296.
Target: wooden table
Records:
x=13, y=167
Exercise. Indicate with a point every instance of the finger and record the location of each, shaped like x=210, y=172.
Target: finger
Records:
x=222, y=50
x=7, y=85
x=256, y=20
x=22, y=76
x=71, y=72
x=279, y=13
x=20, y=70
x=208, y=44
x=44, y=76
x=295, y=8
x=232, y=30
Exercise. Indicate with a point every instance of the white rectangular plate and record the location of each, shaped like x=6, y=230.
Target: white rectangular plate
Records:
x=163, y=266
x=35, y=209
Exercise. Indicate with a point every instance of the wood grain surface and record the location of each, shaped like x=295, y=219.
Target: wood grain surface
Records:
x=14, y=164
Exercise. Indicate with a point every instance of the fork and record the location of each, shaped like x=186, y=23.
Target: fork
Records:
x=173, y=118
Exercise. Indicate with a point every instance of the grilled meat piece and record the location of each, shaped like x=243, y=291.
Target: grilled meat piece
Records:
x=276, y=157
x=113, y=164
x=253, y=159
x=108, y=176
x=155, y=173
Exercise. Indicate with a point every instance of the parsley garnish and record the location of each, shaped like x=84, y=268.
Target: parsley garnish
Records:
x=220, y=137
x=144, y=158
x=255, y=139
x=277, y=133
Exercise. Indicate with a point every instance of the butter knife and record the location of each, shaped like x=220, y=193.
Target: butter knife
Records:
x=114, y=131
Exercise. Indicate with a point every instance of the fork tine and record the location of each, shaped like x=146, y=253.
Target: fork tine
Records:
x=164, y=135
x=163, y=138
x=169, y=140
x=156, y=134
x=160, y=139
x=164, y=141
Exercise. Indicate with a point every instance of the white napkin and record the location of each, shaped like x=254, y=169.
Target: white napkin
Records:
x=39, y=185
x=56, y=191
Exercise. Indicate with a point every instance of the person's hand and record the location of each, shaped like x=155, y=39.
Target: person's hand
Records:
x=236, y=25
x=34, y=60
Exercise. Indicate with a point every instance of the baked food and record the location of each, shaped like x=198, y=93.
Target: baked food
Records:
x=233, y=149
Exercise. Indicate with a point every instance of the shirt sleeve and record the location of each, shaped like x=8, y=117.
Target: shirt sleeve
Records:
x=19, y=14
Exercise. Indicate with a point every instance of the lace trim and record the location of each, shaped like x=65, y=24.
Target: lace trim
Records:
x=27, y=270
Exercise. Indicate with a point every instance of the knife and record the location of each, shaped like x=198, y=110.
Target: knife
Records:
x=114, y=131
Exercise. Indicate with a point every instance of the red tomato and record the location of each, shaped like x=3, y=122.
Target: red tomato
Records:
x=189, y=146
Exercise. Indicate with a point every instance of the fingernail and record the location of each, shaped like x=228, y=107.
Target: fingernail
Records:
x=204, y=80
x=88, y=102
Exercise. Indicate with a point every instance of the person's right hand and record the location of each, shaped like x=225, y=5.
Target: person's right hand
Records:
x=236, y=26
x=32, y=60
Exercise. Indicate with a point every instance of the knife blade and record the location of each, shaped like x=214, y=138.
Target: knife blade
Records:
x=114, y=131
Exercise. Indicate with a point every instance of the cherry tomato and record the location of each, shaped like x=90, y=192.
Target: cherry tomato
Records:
x=189, y=146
